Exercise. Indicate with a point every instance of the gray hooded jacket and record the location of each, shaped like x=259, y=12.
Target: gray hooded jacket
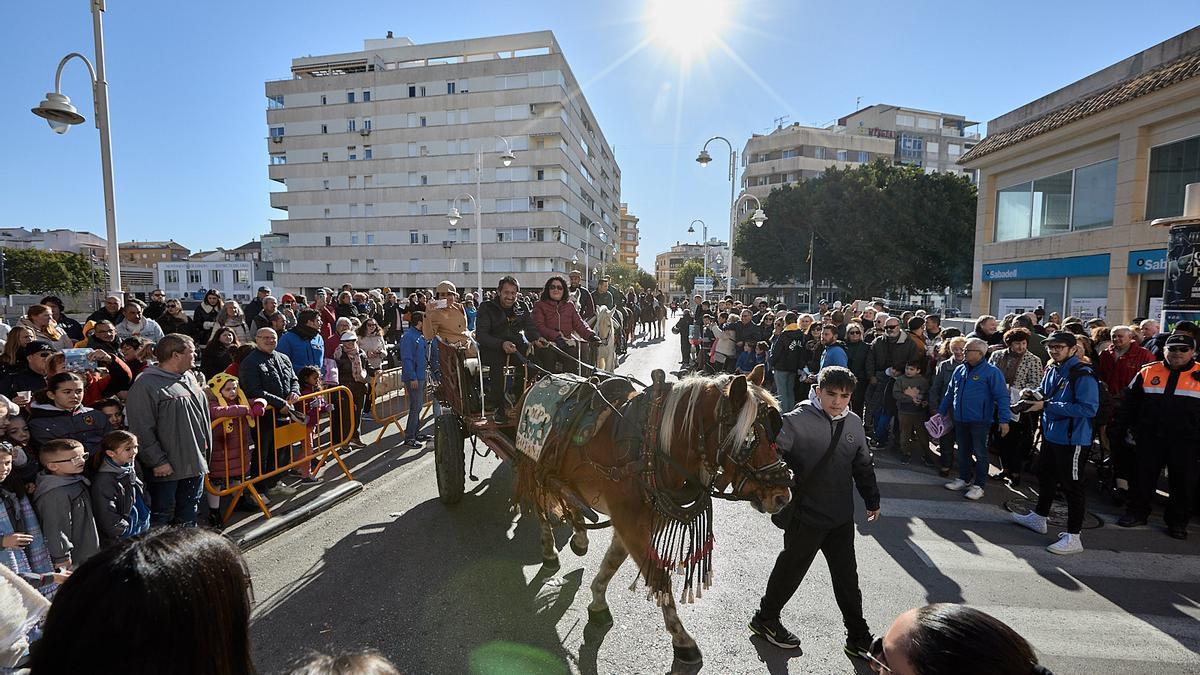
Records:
x=65, y=512
x=168, y=413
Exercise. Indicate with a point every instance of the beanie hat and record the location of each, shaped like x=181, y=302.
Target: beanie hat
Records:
x=215, y=384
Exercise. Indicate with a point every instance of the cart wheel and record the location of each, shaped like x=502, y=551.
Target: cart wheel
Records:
x=448, y=457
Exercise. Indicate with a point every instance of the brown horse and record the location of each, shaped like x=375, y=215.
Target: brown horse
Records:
x=712, y=433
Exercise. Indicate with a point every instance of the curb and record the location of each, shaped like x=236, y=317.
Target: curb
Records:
x=279, y=524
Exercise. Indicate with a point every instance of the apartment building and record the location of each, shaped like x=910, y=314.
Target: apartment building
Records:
x=148, y=253
x=58, y=239
x=628, y=237
x=373, y=148
x=932, y=140
x=794, y=153
x=1069, y=183
x=667, y=263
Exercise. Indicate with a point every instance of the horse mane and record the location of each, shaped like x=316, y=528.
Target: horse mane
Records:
x=686, y=394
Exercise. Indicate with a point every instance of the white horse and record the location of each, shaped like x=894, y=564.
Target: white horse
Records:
x=606, y=329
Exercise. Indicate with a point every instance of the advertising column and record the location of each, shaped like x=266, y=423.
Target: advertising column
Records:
x=1181, y=289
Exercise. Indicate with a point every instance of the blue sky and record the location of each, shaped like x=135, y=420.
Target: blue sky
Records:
x=188, y=109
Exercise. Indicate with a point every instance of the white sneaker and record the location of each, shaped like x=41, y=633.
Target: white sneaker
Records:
x=1066, y=544
x=1031, y=520
x=957, y=484
x=974, y=492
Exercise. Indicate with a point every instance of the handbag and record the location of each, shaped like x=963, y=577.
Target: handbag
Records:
x=788, y=513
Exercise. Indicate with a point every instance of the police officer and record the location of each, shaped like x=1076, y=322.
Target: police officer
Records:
x=1161, y=409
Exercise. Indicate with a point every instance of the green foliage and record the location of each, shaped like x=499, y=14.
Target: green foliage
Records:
x=646, y=280
x=621, y=276
x=36, y=272
x=874, y=228
x=686, y=275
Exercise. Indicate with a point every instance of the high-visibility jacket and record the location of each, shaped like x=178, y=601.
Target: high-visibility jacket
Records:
x=1163, y=402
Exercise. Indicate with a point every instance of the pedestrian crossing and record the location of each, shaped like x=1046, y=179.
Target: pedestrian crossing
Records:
x=1130, y=603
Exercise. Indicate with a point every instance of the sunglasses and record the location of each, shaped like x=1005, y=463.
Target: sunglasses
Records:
x=1179, y=348
x=854, y=332
x=876, y=656
x=891, y=328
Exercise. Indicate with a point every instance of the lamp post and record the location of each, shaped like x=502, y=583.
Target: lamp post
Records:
x=575, y=258
x=704, y=243
x=506, y=159
x=587, y=278
x=704, y=159
x=58, y=112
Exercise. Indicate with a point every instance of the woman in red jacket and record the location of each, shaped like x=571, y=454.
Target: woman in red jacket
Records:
x=557, y=320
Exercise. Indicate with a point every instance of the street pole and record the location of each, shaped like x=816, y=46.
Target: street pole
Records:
x=704, y=159
x=812, y=281
x=100, y=94
x=478, y=222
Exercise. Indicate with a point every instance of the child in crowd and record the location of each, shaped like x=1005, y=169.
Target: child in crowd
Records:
x=64, y=415
x=137, y=353
x=114, y=410
x=760, y=354
x=911, y=391
x=25, y=463
x=24, y=548
x=310, y=381
x=745, y=361
x=241, y=352
x=63, y=505
x=118, y=496
x=230, y=459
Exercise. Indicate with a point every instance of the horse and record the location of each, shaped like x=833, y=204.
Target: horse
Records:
x=606, y=328
x=660, y=314
x=631, y=313
x=647, y=316
x=710, y=434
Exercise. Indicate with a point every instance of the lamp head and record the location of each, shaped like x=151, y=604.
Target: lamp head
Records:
x=704, y=158
x=575, y=259
x=691, y=230
x=759, y=217
x=454, y=216
x=58, y=112
x=507, y=158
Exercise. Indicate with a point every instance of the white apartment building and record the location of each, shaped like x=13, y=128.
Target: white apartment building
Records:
x=235, y=279
x=932, y=140
x=794, y=153
x=373, y=148
x=58, y=239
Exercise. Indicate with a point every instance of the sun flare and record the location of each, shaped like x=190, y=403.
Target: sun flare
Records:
x=687, y=28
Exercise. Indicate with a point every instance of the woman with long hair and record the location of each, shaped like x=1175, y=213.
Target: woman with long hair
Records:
x=234, y=319
x=218, y=353
x=558, y=320
x=40, y=320
x=173, y=320
x=204, y=319
x=18, y=337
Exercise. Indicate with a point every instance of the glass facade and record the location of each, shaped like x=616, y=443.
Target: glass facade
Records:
x=1079, y=199
x=1172, y=167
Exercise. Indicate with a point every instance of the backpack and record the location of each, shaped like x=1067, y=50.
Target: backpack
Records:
x=1106, y=407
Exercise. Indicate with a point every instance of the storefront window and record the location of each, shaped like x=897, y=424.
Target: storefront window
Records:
x=1079, y=199
x=1015, y=294
x=1095, y=195
x=1013, y=208
x=1052, y=204
x=1087, y=297
x=1172, y=167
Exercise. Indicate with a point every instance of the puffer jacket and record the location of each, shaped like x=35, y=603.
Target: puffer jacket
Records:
x=1070, y=406
x=168, y=412
x=559, y=320
x=47, y=422
x=887, y=353
x=789, y=353
x=230, y=458
x=976, y=394
x=113, y=491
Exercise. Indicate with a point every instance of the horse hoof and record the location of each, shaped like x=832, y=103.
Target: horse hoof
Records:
x=579, y=550
x=688, y=655
x=600, y=617
x=550, y=564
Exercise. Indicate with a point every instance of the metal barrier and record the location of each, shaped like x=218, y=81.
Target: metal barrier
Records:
x=325, y=429
x=389, y=400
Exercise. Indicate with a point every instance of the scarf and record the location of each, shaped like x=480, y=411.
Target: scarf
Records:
x=215, y=384
x=34, y=558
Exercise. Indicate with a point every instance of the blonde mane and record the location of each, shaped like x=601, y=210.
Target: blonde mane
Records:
x=686, y=394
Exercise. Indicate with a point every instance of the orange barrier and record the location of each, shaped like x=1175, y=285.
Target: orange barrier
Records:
x=318, y=437
x=389, y=400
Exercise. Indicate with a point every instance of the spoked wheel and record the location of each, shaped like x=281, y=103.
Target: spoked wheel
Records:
x=448, y=457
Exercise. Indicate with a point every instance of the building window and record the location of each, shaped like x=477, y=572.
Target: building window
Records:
x=368, y=209
x=241, y=277
x=367, y=96
x=324, y=128
x=171, y=276
x=424, y=179
x=450, y=87
x=370, y=239
x=1080, y=199
x=214, y=276
x=323, y=101
x=275, y=102
x=349, y=125
x=366, y=152
x=349, y=97
x=412, y=91
x=276, y=132
x=413, y=236
x=328, y=241
x=843, y=155
x=424, y=238
x=541, y=174
x=424, y=121
x=327, y=215
x=466, y=266
x=353, y=239
x=325, y=183
x=906, y=121
x=279, y=159
x=1172, y=167
x=367, y=124
x=324, y=156
x=193, y=277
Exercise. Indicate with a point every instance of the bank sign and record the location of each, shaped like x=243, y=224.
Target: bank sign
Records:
x=1080, y=266
x=1153, y=261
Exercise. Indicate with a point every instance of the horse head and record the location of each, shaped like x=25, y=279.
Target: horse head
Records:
x=730, y=423
x=604, y=322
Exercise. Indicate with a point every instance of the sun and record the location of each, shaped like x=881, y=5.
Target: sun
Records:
x=688, y=28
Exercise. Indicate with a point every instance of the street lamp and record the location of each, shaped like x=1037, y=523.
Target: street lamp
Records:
x=58, y=112
x=692, y=230
x=704, y=159
x=453, y=217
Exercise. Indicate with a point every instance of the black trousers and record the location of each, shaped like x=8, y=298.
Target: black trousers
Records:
x=1014, y=448
x=496, y=383
x=1182, y=470
x=1061, y=466
x=800, y=547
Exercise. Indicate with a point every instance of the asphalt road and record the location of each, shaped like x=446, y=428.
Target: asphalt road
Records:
x=461, y=590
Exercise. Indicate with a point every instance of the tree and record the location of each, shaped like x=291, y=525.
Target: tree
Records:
x=34, y=271
x=621, y=275
x=685, y=276
x=872, y=228
x=646, y=280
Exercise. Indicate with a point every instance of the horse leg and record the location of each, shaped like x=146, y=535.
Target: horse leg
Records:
x=579, y=539
x=686, y=650
x=549, y=550
x=598, y=610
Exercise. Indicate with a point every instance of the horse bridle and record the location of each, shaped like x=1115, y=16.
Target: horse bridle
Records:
x=774, y=474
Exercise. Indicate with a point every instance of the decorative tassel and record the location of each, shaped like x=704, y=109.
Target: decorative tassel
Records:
x=633, y=586
x=691, y=596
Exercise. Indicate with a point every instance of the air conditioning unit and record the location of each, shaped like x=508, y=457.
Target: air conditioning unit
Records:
x=277, y=139
x=365, y=132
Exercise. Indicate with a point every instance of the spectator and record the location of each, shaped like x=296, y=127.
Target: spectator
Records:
x=114, y=410
x=265, y=373
x=355, y=374
x=1149, y=330
x=24, y=547
x=168, y=412
x=180, y=596
x=322, y=306
x=334, y=341
x=976, y=398
x=939, y=639
x=255, y=306
x=172, y=319
x=64, y=416
x=32, y=377
x=266, y=315
x=157, y=305
x=1117, y=368
x=413, y=348
x=12, y=361
x=576, y=287
x=1070, y=399
x=446, y=319
x=1021, y=370
x=287, y=307
x=787, y=358
x=303, y=344
x=889, y=355
x=40, y=320
x=234, y=319
x=987, y=329
x=833, y=350
x=136, y=352
x=345, y=307
x=857, y=353
x=1161, y=409
x=104, y=336
x=63, y=506
x=682, y=328
x=1036, y=340
x=205, y=317
x=232, y=437
x=110, y=311
x=911, y=391
x=117, y=494
x=218, y=353
x=952, y=356
x=135, y=324
x=66, y=324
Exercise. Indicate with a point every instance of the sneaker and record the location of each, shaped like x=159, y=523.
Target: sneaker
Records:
x=279, y=489
x=1031, y=520
x=413, y=443
x=859, y=648
x=974, y=492
x=1130, y=520
x=424, y=437
x=957, y=484
x=309, y=480
x=774, y=632
x=1067, y=544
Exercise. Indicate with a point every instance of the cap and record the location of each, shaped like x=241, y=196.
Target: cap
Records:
x=837, y=304
x=349, y=336
x=35, y=346
x=263, y=289
x=1178, y=339
x=605, y=279
x=288, y=297
x=447, y=287
x=575, y=273
x=1061, y=336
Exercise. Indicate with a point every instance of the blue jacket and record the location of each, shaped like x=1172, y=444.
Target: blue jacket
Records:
x=413, y=355
x=976, y=394
x=834, y=355
x=1070, y=407
x=745, y=362
x=302, y=352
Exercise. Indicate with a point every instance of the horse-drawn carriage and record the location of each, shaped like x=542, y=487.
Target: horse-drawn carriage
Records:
x=651, y=458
